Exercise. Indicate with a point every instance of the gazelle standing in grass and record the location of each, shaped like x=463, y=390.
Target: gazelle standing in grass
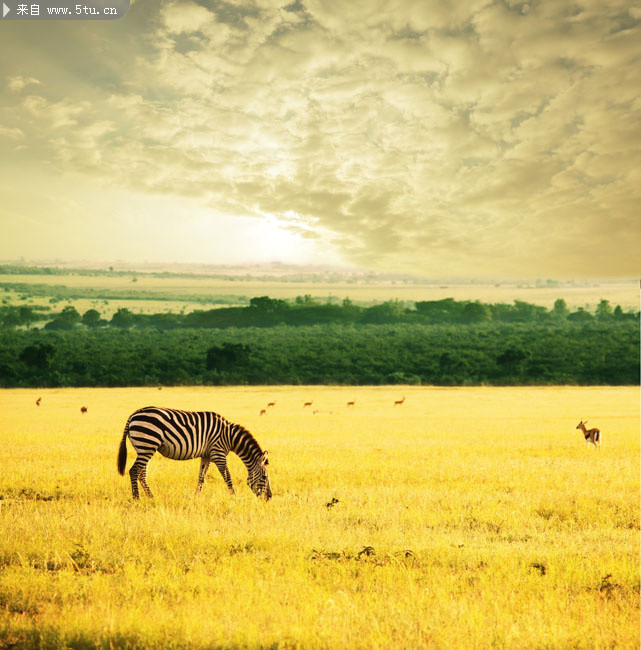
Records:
x=591, y=435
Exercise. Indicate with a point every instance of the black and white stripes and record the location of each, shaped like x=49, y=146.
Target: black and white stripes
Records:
x=183, y=435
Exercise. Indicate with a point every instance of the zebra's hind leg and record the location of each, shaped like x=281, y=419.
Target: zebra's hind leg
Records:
x=138, y=472
x=133, y=475
x=142, y=477
x=204, y=466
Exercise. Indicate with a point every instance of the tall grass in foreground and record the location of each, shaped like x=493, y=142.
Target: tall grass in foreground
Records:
x=464, y=518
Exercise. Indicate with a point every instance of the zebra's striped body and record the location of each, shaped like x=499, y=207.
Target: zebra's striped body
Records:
x=183, y=435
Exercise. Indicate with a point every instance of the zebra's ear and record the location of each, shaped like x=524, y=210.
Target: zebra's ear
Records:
x=265, y=460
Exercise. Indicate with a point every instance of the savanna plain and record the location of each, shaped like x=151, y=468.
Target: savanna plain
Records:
x=461, y=518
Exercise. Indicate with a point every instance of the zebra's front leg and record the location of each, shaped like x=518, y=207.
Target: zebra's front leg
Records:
x=221, y=464
x=204, y=466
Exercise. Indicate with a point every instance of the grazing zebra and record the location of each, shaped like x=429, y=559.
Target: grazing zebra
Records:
x=182, y=435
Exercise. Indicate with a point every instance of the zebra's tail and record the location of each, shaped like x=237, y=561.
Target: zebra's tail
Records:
x=122, y=451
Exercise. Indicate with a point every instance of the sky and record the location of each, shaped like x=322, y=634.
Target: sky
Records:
x=471, y=138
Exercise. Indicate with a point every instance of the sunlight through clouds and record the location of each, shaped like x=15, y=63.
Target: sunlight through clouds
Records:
x=472, y=138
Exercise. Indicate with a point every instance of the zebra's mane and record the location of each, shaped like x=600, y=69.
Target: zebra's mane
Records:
x=246, y=440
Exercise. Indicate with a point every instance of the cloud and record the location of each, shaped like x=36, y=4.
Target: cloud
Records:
x=19, y=82
x=185, y=17
x=465, y=137
x=11, y=133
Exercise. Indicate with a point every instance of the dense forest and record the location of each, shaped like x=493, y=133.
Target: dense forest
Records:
x=442, y=342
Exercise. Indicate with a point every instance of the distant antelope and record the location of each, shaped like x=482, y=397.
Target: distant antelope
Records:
x=271, y=404
x=398, y=402
x=83, y=409
x=352, y=403
x=38, y=401
x=591, y=435
x=308, y=403
x=263, y=411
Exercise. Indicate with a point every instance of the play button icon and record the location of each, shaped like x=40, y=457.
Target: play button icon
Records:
x=63, y=10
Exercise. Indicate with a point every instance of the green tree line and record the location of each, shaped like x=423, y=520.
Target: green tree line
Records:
x=304, y=310
x=597, y=352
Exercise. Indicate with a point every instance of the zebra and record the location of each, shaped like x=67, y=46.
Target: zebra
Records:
x=183, y=435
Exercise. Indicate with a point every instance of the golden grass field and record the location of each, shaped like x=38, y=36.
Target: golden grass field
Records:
x=465, y=518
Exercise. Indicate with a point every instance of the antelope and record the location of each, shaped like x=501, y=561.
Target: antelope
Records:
x=263, y=411
x=83, y=409
x=271, y=404
x=308, y=403
x=591, y=435
x=352, y=403
x=38, y=401
x=398, y=402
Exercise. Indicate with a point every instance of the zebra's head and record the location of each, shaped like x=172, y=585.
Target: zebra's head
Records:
x=258, y=479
